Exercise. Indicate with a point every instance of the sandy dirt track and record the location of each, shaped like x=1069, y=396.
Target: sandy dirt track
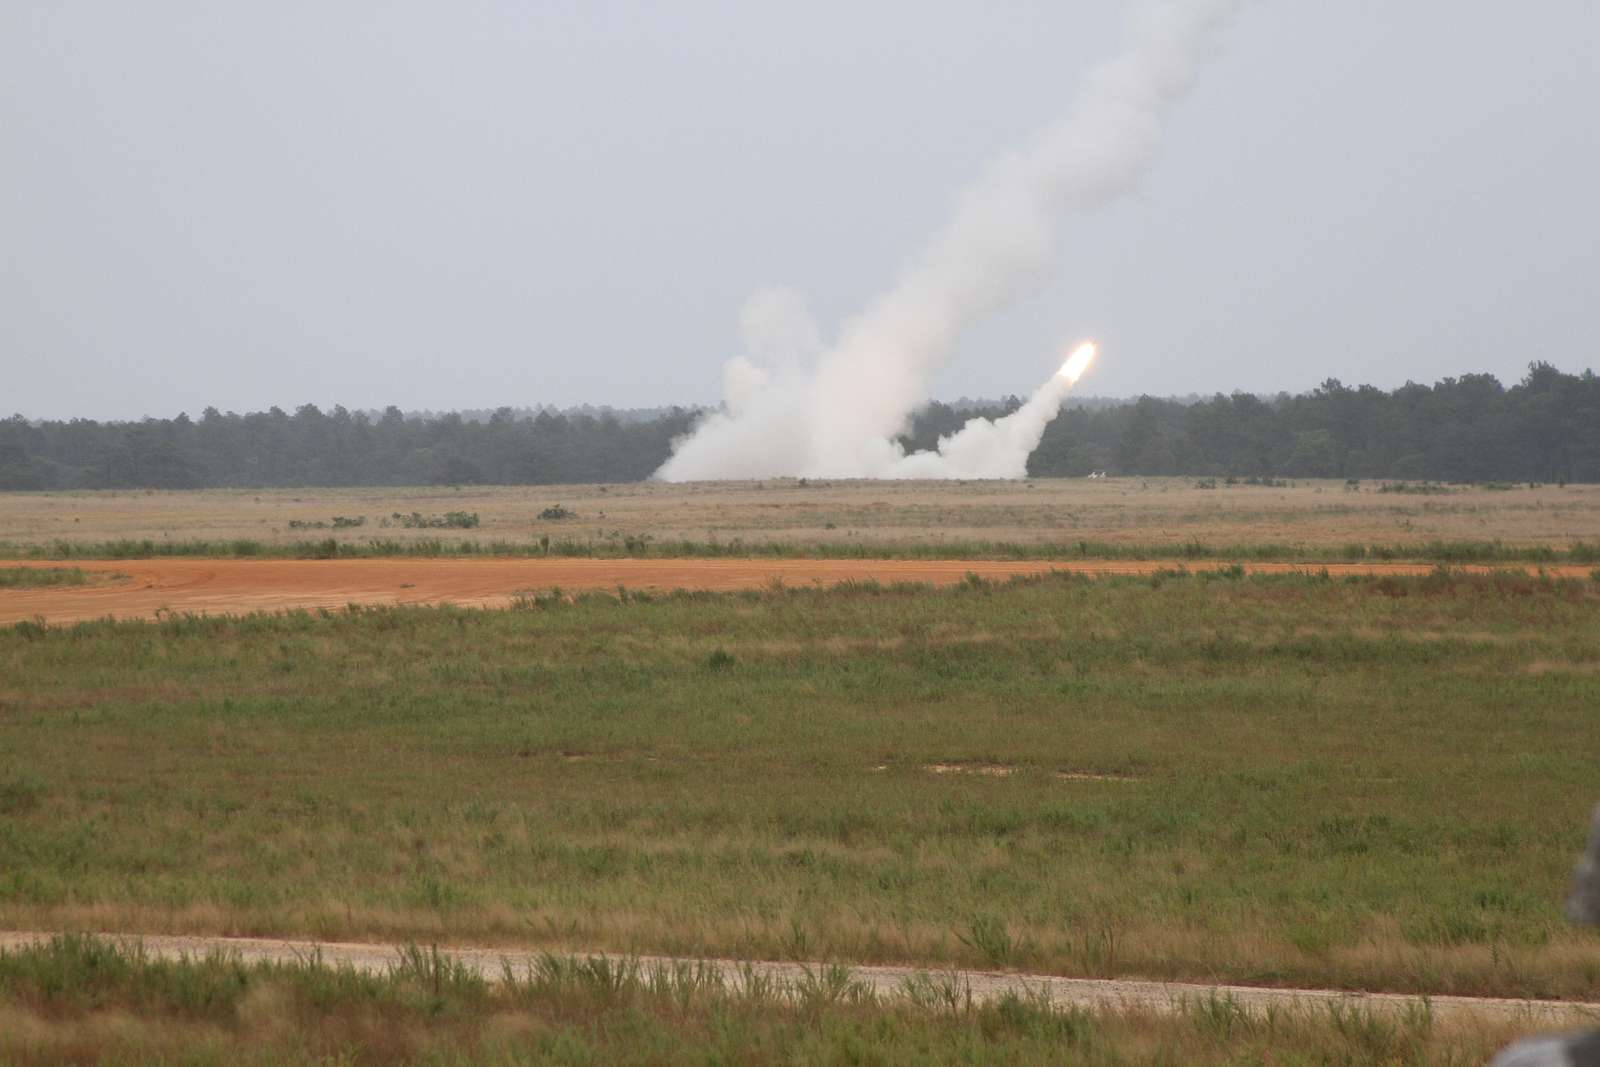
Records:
x=985, y=986
x=136, y=589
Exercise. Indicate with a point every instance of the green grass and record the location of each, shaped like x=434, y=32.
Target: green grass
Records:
x=41, y=577
x=82, y=1000
x=1373, y=783
x=648, y=547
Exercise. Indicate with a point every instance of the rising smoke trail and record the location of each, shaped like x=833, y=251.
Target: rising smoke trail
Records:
x=839, y=418
x=998, y=448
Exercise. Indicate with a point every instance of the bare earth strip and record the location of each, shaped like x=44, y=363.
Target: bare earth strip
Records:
x=235, y=586
x=984, y=986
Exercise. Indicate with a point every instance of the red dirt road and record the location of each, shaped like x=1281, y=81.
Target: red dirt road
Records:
x=239, y=586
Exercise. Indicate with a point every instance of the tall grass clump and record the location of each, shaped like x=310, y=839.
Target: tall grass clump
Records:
x=41, y=577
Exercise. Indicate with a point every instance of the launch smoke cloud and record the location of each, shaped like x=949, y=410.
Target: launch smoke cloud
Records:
x=794, y=405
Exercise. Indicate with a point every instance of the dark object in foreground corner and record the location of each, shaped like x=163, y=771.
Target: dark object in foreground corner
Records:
x=1583, y=903
x=1581, y=1048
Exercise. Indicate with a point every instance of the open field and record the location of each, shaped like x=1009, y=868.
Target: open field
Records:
x=1131, y=512
x=1372, y=783
x=1314, y=760
x=87, y=1000
x=151, y=588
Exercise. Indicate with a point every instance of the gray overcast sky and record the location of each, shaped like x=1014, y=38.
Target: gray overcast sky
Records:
x=470, y=204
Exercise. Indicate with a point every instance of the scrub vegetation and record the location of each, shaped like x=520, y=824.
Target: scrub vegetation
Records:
x=1152, y=517
x=1374, y=783
x=645, y=548
x=41, y=577
x=82, y=1000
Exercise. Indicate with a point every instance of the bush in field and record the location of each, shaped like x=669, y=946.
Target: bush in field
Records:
x=340, y=522
x=992, y=939
x=557, y=513
x=456, y=520
x=1418, y=489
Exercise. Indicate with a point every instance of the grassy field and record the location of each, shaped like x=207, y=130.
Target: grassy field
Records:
x=81, y=1000
x=1117, y=515
x=1375, y=783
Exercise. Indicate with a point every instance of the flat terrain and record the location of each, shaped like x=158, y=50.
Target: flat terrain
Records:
x=1130, y=511
x=1372, y=783
x=148, y=588
x=899, y=727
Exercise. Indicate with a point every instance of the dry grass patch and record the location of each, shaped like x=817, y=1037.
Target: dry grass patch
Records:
x=1545, y=666
x=984, y=770
x=1121, y=511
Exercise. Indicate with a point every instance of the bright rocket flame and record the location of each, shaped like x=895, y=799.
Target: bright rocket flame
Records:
x=1078, y=362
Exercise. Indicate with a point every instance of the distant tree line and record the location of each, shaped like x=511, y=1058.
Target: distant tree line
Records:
x=333, y=448
x=1545, y=428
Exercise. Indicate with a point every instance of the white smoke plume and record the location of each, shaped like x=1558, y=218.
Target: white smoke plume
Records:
x=795, y=408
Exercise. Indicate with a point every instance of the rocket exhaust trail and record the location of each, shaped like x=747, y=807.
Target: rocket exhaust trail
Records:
x=1079, y=361
x=834, y=410
x=999, y=448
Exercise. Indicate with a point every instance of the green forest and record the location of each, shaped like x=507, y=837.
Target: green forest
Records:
x=1545, y=428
